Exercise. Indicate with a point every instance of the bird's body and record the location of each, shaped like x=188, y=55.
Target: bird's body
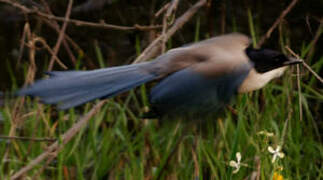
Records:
x=199, y=77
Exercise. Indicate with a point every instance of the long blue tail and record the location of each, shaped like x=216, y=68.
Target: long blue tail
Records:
x=71, y=88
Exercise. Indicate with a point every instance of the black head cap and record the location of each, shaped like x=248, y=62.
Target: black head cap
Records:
x=266, y=59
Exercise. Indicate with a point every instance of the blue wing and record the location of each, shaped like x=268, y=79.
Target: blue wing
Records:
x=189, y=91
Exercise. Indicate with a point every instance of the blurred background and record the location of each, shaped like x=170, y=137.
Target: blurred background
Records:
x=119, y=47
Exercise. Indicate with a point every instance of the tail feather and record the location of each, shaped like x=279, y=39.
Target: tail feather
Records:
x=105, y=91
x=72, y=88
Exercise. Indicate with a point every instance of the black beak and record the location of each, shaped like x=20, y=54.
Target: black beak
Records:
x=292, y=61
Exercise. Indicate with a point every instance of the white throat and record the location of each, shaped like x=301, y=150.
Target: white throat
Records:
x=256, y=80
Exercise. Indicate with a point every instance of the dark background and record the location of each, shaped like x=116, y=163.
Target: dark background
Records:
x=118, y=47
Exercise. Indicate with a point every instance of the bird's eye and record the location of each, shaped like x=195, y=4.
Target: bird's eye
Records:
x=278, y=58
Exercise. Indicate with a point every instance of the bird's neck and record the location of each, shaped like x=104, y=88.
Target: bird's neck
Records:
x=255, y=80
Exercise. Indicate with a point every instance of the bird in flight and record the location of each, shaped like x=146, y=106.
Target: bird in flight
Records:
x=199, y=77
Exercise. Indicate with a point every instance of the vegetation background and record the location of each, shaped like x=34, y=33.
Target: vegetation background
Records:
x=114, y=142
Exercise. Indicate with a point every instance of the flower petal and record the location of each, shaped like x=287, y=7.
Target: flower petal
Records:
x=238, y=155
x=271, y=150
x=236, y=170
x=233, y=164
x=277, y=176
x=281, y=155
x=266, y=133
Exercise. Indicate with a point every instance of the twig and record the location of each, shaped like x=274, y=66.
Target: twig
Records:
x=232, y=110
x=26, y=138
x=74, y=45
x=155, y=46
x=161, y=10
x=35, y=39
x=79, y=22
x=57, y=146
x=50, y=158
x=164, y=39
x=278, y=20
x=56, y=26
x=172, y=8
x=61, y=35
x=25, y=34
x=32, y=40
x=305, y=65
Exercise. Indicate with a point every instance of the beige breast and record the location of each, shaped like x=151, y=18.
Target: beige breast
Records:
x=256, y=80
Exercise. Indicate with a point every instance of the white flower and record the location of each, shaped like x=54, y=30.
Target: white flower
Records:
x=276, y=153
x=236, y=164
x=266, y=133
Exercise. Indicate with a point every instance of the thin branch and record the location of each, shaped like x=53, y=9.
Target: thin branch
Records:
x=25, y=33
x=278, y=20
x=305, y=65
x=73, y=44
x=171, y=10
x=61, y=35
x=79, y=22
x=161, y=10
x=36, y=39
x=164, y=39
x=56, y=26
x=155, y=46
x=65, y=138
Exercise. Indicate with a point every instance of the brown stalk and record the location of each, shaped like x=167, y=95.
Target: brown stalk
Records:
x=25, y=34
x=171, y=10
x=46, y=46
x=61, y=35
x=56, y=27
x=161, y=10
x=74, y=45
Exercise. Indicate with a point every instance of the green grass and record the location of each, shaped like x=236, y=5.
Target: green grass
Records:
x=117, y=144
